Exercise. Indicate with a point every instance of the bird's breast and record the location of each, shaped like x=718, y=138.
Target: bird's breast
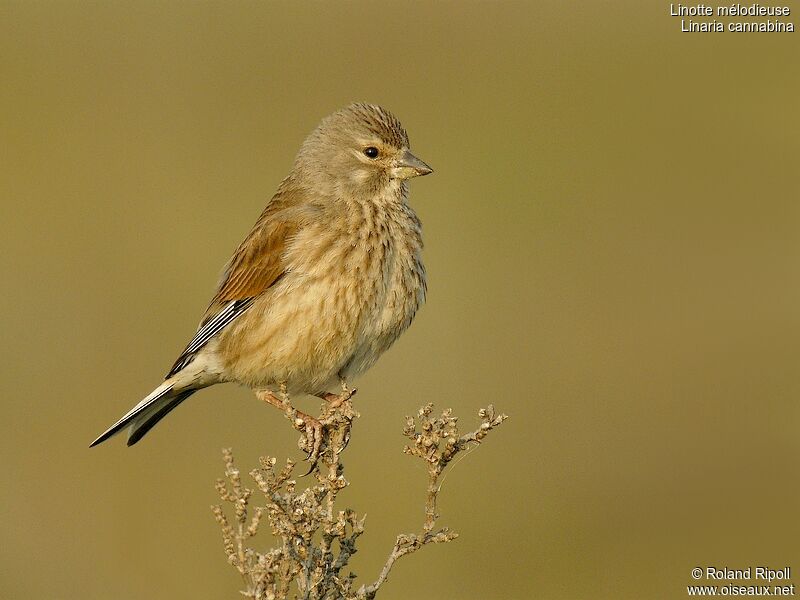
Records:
x=352, y=286
x=390, y=248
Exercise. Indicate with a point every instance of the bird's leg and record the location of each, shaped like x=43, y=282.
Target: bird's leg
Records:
x=302, y=422
x=336, y=400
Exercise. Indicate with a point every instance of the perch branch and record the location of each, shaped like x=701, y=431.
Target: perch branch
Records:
x=316, y=540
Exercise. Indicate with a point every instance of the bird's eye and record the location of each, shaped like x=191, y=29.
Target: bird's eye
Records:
x=371, y=152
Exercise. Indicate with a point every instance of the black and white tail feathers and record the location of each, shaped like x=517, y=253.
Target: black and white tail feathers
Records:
x=144, y=416
x=166, y=397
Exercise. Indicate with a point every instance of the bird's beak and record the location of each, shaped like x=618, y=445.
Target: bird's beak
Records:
x=408, y=166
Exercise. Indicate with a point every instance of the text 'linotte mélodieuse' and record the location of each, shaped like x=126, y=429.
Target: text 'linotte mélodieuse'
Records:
x=737, y=18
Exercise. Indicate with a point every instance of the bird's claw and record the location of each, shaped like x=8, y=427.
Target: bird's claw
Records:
x=346, y=439
x=314, y=436
x=313, y=432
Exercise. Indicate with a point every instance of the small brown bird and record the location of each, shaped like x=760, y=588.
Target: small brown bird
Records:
x=329, y=277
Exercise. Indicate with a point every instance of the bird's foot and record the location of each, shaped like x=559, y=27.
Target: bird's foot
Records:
x=322, y=433
x=314, y=434
x=313, y=429
x=337, y=407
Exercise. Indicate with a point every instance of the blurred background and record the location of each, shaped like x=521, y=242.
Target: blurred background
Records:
x=612, y=247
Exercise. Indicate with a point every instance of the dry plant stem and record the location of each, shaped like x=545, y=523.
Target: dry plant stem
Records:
x=437, y=442
x=315, y=540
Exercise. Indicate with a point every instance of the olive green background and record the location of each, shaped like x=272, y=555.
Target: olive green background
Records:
x=612, y=248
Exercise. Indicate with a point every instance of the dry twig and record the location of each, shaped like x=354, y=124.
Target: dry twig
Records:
x=316, y=541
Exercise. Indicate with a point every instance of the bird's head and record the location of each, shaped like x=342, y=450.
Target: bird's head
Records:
x=361, y=147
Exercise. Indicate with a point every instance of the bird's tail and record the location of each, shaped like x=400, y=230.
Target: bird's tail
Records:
x=144, y=416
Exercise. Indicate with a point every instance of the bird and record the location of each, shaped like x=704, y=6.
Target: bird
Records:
x=330, y=275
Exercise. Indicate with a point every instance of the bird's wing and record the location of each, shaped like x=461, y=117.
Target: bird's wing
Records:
x=258, y=263
x=215, y=324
